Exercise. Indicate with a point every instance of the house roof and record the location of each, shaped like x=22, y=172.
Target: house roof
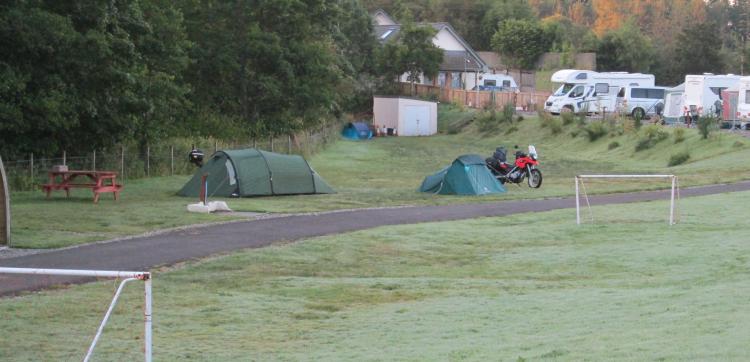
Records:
x=453, y=60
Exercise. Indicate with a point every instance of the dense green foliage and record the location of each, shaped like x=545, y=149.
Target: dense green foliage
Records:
x=82, y=75
x=413, y=54
x=521, y=41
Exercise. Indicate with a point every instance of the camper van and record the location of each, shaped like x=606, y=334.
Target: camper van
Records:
x=589, y=91
x=641, y=101
x=743, y=103
x=703, y=93
x=497, y=82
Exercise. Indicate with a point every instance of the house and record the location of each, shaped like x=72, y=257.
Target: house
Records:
x=461, y=66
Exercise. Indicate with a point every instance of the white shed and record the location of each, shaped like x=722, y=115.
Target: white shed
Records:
x=407, y=116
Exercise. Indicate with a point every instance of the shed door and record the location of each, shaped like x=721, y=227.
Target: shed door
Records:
x=416, y=121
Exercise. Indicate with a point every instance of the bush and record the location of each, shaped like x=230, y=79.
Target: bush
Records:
x=507, y=113
x=555, y=126
x=679, y=135
x=488, y=121
x=567, y=118
x=706, y=124
x=738, y=144
x=596, y=130
x=511, y=129
x=679, y=158
x=650, y=136
x=613, y=145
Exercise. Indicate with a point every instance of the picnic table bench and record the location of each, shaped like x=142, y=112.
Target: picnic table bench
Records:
x=94, y=180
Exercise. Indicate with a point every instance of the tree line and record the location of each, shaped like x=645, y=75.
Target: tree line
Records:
x=88, y=74
x=669, y=38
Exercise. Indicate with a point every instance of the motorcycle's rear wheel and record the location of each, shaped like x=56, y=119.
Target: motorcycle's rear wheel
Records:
x=535, y=178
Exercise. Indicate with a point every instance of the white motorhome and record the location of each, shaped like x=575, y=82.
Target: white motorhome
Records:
x=589, y=91
x=743, y=103
x=703, y=92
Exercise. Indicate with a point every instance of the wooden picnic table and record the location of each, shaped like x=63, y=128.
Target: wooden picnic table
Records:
x=94, y=180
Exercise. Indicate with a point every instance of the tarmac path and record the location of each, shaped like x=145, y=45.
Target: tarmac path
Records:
x=147, y=252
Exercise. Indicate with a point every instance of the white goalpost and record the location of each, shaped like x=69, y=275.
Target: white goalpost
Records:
x=127, y=276
x=675, y=191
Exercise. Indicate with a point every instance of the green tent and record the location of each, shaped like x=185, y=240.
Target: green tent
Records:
x=467, y=175
x=252, y=172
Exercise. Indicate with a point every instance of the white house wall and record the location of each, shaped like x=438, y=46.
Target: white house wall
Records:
x=446, y=41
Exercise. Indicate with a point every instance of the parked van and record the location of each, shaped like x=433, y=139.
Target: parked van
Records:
x=497, y=82
x=674, y=99
x=703, y=93
x=641, y=101
x=589, y=91
x=743, y=103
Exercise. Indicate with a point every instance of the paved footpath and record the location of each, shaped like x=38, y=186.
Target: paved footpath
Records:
x=145, y=253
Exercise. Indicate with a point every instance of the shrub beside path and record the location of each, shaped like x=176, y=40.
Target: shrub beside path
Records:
x=164, y=249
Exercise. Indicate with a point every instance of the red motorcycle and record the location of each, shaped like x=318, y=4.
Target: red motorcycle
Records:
x=525, y=167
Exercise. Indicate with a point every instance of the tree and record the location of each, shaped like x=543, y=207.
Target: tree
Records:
x=521, y=42
x=625, y=49
x=412, y=53
x=697, y=51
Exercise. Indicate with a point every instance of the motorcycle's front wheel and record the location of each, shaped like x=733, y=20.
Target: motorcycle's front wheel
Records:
x=535, y=178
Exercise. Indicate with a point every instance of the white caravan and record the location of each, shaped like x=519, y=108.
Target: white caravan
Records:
x=674, y=98
x=703, y=92
x=497, y=82
x=589, y=91
x=743, y=103
x=641, y=101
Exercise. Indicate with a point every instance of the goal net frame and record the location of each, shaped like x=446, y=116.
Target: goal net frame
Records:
x=127, y=276
x=674, y=191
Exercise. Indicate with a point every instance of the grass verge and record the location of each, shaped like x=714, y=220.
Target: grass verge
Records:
x=531, y=286
x=387, y=172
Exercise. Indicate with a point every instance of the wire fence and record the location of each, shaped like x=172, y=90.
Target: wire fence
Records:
x=164, y=159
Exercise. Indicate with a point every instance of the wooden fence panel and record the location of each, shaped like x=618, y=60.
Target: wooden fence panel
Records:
x=528, y=101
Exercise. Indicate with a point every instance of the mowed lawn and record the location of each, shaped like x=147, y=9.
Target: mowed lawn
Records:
x=384, y=172
x=525, y=287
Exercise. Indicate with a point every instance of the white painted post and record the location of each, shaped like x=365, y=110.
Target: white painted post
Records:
x=93, y=161
x=65, y=156
x=122, y=161
x=671, y=202
x=171, y=158
x=147, y=320
x=578, y=205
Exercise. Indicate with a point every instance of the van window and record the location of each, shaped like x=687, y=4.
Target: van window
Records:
x=638, y=93
x=747, y=97
x=506, y=83
x=577, y=92
x=717, y=90
x=656, y=93
x=564, y=89
x=490, y=83
x=582, y=76
x=602, y=88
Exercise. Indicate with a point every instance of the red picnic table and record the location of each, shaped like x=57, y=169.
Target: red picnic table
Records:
x=94, y=180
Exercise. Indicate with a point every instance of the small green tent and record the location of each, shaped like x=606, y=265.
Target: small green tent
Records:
x=251, y=172
x=467, y=175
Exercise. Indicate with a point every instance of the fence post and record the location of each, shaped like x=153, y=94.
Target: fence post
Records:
x=255, y=143
x=216, y=146
x=271, y=143
x=122, y=161
x=148, y=160
x=31, y=167
x=93, y=161
x=289, y=144
x=171, y=158
x=65, y=156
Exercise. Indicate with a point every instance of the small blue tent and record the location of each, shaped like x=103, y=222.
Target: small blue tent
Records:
x=357, y=131
x=467, y=175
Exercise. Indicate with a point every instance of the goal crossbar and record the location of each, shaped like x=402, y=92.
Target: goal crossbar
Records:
x=579, y=180
x=127, y=276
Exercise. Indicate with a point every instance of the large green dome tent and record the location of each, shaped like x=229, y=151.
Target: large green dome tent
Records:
x=467, y=175
x=251, y=172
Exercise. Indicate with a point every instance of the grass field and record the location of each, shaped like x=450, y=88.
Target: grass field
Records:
x=384, y=172
x=526, y=287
